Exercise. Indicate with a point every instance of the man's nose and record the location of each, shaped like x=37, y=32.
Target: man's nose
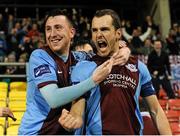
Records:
x=99, y=34
x=53, y=32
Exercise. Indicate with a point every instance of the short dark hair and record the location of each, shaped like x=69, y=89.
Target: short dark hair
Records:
x=82, y=41
x=116, y=20
x=157, y=40
x=56, y=12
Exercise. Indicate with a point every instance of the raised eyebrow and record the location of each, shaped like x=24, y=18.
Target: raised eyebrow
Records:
x=58, y=25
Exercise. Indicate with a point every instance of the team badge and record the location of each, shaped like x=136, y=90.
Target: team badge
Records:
x=40, y=70
x=131, y=67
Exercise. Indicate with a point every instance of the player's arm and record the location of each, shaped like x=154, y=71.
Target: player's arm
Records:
x=148, y=93
x=56, y=97
x=158, y=115
x=73, y=119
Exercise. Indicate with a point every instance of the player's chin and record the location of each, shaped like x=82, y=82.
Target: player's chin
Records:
x=103, y=54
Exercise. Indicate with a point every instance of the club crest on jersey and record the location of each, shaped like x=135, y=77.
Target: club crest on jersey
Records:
x=131, y=67
x=40, y=70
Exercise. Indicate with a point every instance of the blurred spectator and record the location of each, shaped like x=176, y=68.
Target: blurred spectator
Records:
x=2, y=24
x=3, y=46
x=158, y=65
x=172, y=43
x=10, y=23
x=41, y=43
x=11, y=58
x=155, y=28
x=84, y=45
x=19, y=32
x=127, y=26
x=10, y=69
x=34, y=31
x=175, y=27
x=136, y=39
x=26, y=46
x=26, y=24
x=178, y=36
x=12, y=42
x=21, y=69
x=148, y=47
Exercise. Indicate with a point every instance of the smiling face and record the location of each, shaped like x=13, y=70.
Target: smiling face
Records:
x=105, y=36
x=59, y=33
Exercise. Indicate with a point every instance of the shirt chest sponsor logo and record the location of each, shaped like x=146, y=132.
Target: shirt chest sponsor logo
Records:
x=120, y=80
x=40, y=70
x=131, y=67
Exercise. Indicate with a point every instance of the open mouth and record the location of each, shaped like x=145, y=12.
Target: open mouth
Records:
x=102, y=44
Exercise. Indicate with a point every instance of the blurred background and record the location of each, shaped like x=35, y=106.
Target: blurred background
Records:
x=21, y=32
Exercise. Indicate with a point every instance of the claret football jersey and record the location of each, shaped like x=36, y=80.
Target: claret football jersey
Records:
x=112, y=107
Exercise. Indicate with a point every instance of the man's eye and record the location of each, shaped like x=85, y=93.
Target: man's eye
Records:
x=104, y=29
x=48, y=29
x=58, y=27
x=94, y=30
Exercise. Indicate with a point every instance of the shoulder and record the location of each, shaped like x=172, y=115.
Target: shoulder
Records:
x=165, y=53
x=133, y=60
x=40, y=54
x=144, y=72
x=80, y=55
x=86, y=63
x=142, y=67
x=83, y=69
x=85, y=66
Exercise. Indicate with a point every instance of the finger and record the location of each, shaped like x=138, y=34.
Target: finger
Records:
x=63, y=116
x=11, y=115
x=110, y=64
x=119, y=55
x=65, y=111
x=9, y=112
x=115, y=54
x=120, y=62
x=122, y=44
x=5, y=112
x=63, y=120
x=69, y=122
x=68, y=118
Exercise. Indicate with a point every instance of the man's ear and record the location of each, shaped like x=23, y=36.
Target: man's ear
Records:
x=118, y=34
x=73, y=32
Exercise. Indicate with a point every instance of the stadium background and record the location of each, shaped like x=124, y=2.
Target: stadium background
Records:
x=17, y=41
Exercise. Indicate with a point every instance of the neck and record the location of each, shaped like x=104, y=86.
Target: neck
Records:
x=115, y=49
x=63, y=51
x=62, y=54
x=158, y=53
